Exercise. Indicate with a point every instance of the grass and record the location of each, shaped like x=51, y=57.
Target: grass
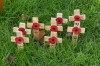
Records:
x=85, y=53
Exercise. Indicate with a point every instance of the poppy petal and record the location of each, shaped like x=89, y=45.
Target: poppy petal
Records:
x=59, y=20
x=77, y=18
x=52, y=40
x=76, y=30
x=19, y=40
x=36, y=26
x=54, y=28
x=23, y=30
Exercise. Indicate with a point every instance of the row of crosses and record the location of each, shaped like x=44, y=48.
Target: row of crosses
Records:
x=56, y=25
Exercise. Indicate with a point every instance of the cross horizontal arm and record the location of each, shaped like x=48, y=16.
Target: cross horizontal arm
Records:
x=71, y=18
x=69, y=29
x=29, y=25
x=83, y=17
x=60, y=28
x=65, y=20
x=26, y=40
x=28, y=31
x=41, y=25
x=12, y=39
x=59, y=40
x=47, y=27
x=46, y=38
x=82, y=30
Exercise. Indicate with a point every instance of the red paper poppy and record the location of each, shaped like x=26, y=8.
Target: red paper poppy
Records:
x=77, y=18
x=23, y=30
x=19, y=40
x=76, y=30
x=54, y=28
x=53, y=40
x=36, y=26
x=59, y=20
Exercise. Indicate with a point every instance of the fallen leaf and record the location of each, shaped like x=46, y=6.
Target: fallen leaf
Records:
x=39, y=36
x=1, y=5
x=24, y=17
x=11, y=59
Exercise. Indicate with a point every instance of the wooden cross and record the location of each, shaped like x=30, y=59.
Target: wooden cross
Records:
x=22, y=29
x=77, y=17
x=1, y=4
x=53, y=39
x=76, y=29
x=36, y=26
x=54, y=27
x=19, y=39
x=60, y=20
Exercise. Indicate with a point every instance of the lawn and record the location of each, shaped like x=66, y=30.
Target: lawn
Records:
x=85, y=53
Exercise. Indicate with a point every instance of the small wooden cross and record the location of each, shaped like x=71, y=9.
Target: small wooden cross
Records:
x=76, y=31
x=77, y=17
x=53, y=39
x=1, y=4
x=60, y=20
x=22, y=29
x=19, y=39
x=54, y=27
x=35, y=25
